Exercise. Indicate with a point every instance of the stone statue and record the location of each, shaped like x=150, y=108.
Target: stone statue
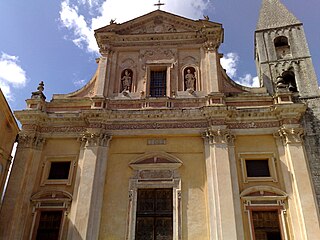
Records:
x=190, y=80
x=126, y=81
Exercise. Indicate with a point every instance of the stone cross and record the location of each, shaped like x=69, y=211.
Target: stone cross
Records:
x=159, y=4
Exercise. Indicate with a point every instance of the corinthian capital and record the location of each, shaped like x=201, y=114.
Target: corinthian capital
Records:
x=30, y=140
x=219, y=136
x=290, y=135
x=95, y=138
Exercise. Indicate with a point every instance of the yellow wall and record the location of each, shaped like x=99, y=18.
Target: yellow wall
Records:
x=53, y=148
x=123, y=150
x=257, y=144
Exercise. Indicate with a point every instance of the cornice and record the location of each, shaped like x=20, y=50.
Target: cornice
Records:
x=197, y=118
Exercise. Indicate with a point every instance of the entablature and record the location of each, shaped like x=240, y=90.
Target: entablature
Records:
x=254, y=118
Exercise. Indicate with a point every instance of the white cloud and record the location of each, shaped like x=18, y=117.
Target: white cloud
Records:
x=82, y=30
x=82, y=34
x=79, y=83
x=230, y=63
x=249, y=81
x=11, y=74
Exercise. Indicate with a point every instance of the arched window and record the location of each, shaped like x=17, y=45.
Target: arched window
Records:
x=282, y=47
x=290, y=80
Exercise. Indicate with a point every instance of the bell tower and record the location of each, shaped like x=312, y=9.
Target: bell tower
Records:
x=283, y=61
x=281, y=51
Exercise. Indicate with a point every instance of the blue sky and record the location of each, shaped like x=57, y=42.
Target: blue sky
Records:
x=52, y=40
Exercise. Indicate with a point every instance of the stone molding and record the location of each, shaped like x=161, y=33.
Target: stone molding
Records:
x=94, y=139
x=290, y=135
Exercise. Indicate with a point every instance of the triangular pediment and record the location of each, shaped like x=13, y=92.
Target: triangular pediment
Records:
x=158, y=22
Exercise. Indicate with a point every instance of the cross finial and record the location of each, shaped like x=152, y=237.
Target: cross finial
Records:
x=159, y=4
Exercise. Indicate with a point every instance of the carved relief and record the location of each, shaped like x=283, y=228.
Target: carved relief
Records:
x=189, y=60
x=127, y=63
x=158, y=25
x=30, y=140
x=157, y=54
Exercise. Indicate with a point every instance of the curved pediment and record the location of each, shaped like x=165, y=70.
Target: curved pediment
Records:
x=264, y=192
x=156, y=160
x=54, y=195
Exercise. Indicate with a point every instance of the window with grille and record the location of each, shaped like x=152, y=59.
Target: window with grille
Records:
x=266, y=225
x=49, y=225
x=158, y=82
x=154, y=217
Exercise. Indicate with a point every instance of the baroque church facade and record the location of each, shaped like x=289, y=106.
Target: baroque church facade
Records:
x=162, y=144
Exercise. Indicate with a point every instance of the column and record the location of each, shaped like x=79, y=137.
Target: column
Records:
x=85, y=214
x=16, y=204
x=221, y=199
x=301, y=199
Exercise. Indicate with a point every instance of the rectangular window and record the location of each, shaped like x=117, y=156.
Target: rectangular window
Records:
x=266, y=225
x=258, y=168
x=154, y=217
x=158, y=82
x=49, y=225
x=59, y=170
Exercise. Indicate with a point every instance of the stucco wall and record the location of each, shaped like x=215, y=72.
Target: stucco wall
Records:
x=123, y=150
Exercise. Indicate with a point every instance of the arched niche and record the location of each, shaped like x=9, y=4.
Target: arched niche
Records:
x=126, y=80
x=282, y=47
x=190, y=78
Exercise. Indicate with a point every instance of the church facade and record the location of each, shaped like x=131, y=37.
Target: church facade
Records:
x=162, y=144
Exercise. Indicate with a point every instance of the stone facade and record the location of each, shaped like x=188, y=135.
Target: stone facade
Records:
x=311, y=123
x=8, y=132
x=162, y=143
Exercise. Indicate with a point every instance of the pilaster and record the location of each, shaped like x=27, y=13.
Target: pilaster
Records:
x=86, y=207
x=211, y=58
x=101, y=75
x=16, y=205
x=222, y=203
x=302, y=204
